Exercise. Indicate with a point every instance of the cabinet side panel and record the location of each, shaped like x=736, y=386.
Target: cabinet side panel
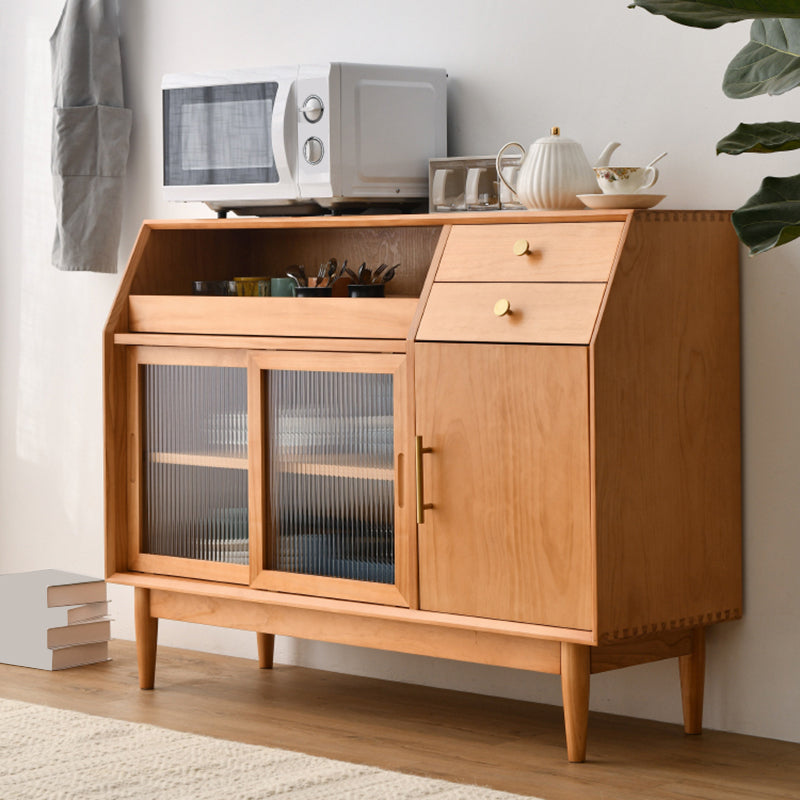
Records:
x=667, y=428
x=115, y=415
x=115, y=455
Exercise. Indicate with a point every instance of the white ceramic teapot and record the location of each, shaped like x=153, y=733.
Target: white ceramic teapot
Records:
x=554, y=171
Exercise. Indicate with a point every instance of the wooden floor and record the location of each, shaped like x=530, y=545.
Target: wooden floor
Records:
x=503, y=744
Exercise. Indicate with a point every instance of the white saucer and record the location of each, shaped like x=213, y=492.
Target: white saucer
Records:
x=621, y=200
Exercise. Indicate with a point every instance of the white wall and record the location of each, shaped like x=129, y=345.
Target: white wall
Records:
x=598, y=70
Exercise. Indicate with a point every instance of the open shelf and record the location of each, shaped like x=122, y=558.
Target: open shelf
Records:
x=180, y=252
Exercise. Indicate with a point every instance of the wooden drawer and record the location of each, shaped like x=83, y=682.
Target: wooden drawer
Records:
x=545, y=313
x=557, y=251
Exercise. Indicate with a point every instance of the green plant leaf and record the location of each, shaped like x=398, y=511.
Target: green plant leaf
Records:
x=761, y=137
x=713, y=13
x=769, y=63
x=771, y=217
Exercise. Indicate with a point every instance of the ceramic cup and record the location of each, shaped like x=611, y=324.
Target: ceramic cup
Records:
x=252, y=287
x=625, y=180
x=448, y=190
x=281, y=287
x=215, y=288
x=480, y=191
x=508, y=197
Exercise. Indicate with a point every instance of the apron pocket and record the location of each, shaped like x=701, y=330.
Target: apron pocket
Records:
x=91, y=140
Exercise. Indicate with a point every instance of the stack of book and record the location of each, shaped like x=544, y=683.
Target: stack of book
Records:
x=53, y=620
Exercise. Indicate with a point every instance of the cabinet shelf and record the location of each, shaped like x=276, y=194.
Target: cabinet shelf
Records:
x=337, y=470
x=200, y=460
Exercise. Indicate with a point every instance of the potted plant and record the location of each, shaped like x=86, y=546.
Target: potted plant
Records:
x=768, y=64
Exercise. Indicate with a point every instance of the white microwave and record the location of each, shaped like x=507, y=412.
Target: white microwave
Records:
x=304, y=138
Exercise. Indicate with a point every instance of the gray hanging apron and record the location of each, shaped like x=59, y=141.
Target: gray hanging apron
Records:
x=91, y=133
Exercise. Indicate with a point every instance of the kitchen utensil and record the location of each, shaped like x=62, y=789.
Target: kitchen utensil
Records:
x=389, y=274
x=300, y=277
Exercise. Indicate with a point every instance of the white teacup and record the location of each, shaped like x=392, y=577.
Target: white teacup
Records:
x=480, y=191
x=625, y=180
x=448, y=190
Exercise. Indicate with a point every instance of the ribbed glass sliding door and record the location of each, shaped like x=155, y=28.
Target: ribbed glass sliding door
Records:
x=331, y=487
x=194, y=468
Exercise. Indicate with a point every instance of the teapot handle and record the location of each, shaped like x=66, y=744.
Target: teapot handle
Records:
x=497, y=163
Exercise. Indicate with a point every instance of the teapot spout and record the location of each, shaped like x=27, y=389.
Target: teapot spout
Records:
x=605, y=156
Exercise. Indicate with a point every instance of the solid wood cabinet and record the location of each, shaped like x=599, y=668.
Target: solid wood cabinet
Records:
x=527, y=454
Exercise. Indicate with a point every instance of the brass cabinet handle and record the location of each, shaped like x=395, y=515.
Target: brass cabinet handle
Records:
x=502, y=307
x=521, y=247
x=421, y=504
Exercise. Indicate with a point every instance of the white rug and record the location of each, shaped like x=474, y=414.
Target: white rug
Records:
x=52, y=754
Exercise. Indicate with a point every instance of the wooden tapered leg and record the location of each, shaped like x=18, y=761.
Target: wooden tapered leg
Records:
x=266, y=648
x=575, y=695
x=146, y=638
x=693, y=673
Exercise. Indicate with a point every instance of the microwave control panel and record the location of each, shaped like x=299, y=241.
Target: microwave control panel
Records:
x=316, y=93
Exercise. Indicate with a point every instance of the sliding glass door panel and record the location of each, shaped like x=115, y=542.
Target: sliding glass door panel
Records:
x=335, y=428
x=190, y=429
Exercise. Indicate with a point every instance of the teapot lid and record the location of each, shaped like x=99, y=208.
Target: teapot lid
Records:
x=555, y=137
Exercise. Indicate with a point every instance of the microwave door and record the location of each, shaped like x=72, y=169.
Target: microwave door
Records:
x=231, y=143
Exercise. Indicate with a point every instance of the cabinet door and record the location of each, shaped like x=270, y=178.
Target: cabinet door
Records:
x=508, y=533
x=188, y=493
x=334, y=471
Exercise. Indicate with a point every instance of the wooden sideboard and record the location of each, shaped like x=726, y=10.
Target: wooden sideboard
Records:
x=527, y=454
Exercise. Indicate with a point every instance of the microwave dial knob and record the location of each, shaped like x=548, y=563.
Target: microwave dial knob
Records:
x=312, y=108
x=313, y=150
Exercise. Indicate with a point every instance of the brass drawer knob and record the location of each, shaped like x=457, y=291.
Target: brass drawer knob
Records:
x=502, y=307
x=521, y=247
